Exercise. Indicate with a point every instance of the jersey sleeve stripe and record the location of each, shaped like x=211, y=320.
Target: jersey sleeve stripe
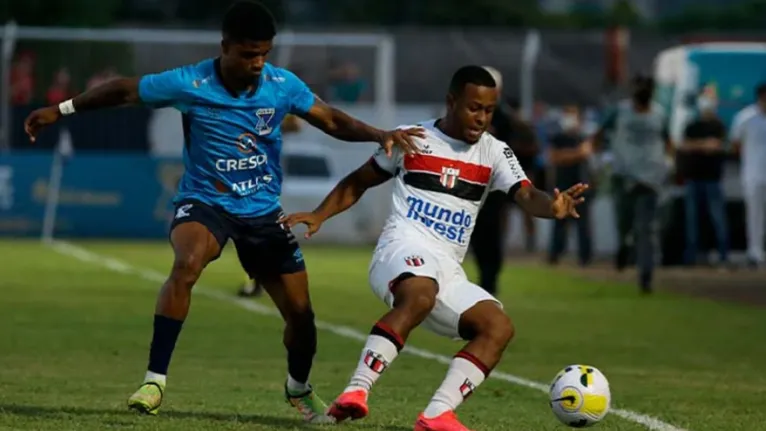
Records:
x=514, y=188
x=473, y=173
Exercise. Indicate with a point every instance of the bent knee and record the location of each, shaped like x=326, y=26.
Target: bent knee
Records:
x=489, y=322
x=422, y=302
x=186, y=270
x=415, y=294
x=501, y=330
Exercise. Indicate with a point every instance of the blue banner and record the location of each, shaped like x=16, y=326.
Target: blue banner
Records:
x=101, y=196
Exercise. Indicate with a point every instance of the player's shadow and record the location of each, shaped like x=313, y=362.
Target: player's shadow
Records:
x=39, y=412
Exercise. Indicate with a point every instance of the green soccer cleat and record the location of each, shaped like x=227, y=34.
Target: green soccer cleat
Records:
x=147, y=398
x=313, y=409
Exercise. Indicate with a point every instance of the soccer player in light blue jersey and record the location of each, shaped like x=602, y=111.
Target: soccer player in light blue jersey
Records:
x=232, y=109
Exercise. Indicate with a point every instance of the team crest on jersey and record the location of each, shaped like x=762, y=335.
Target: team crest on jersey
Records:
x=414, y=261
x=264, y=116
x=246, y=143
x=449, y=177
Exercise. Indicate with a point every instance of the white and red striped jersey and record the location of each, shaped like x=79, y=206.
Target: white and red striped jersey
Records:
x=438, y=192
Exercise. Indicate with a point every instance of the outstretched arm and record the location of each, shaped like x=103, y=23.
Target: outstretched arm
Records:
x=340, y=125
x=534, y=201
x=507, y=175
x=162, y=89
x=350, y=189
x=539, y=204
x=117, y=92
x=345, y=194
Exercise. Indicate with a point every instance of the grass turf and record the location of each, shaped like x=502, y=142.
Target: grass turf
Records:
x=74, y=342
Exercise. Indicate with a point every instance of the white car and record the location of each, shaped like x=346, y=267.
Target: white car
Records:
x=310, y=172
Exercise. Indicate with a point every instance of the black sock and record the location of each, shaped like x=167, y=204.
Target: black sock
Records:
x=166, y=332
x=645, y=281
x=301, y=350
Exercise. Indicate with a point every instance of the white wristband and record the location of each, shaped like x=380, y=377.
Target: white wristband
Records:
x=66, y=107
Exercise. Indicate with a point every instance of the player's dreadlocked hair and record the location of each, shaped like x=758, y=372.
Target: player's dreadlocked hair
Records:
x=475, y=75
x=248, y=20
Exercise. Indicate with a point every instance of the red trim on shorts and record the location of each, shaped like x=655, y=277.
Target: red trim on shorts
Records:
x=474, y=360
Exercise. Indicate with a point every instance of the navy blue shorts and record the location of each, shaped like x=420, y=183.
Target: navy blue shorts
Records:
x=264, y=247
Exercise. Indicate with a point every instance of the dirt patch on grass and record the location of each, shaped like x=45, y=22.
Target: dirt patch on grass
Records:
x=742, y=286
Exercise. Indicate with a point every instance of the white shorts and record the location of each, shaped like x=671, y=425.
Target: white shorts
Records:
x=456, y=294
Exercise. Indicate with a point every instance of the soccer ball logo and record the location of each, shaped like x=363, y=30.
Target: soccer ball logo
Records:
x=246, y=143
x=580, y=396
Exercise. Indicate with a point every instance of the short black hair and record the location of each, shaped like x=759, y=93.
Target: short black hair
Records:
x=248, y=20
x=471, y=74
x=643, y=80
x=760, y=90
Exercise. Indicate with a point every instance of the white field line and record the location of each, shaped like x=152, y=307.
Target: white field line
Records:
x=84, y=255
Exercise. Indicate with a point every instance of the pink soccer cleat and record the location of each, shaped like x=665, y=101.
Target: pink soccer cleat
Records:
x=446, y=421
x=351, y=404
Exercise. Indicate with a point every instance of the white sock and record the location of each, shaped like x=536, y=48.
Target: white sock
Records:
x=462, y=379
x=154, y=377
x=377, y=355
x=295, y=387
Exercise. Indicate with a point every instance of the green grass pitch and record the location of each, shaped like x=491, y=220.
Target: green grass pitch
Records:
x=75, y=330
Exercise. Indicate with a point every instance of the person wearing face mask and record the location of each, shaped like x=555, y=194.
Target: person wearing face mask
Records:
x=700, y=164
x=569, y=156
x=748, y=136
x=640, y=145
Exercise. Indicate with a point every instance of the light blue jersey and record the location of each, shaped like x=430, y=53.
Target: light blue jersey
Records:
x=232, y=142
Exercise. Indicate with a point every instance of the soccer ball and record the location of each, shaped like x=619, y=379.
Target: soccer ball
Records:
x=579, y=396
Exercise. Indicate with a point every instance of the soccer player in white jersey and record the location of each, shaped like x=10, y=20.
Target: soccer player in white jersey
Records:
x=748, y=134
x=416, y=268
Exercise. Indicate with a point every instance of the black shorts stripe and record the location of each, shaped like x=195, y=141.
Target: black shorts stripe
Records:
x=432, y=183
